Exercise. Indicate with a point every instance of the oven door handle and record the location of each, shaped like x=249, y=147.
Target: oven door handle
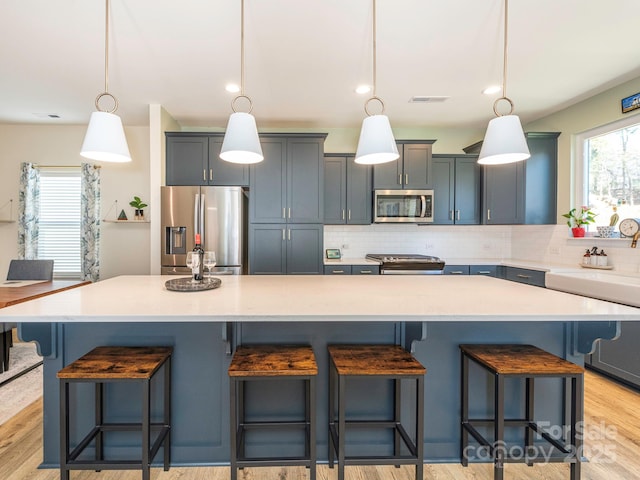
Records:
x=423, y=203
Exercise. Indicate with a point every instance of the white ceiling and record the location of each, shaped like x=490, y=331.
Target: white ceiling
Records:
x=304, y=58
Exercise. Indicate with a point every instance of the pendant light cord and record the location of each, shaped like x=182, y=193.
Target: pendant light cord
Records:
x=106, y=48
x=242, y=95
x=106, y=65
x=504, y=65
x=375, y=69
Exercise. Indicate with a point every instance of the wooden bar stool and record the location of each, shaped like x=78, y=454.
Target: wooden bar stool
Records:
x=272, y=362
x=380, y=362
x=528, y=362
x=110, y=365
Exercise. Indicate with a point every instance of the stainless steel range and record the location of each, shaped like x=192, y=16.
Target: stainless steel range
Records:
x=407, y=264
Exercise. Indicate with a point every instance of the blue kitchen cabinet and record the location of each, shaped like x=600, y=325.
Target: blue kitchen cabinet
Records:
x=488, y=270
x=288, y=186
x=194, y=159
x=523, y=275
x=337, y=269
x=411, y=171
x=522, y=192
x=347, y=191
x=456, y=270
x=279, y=249
x=456, y=189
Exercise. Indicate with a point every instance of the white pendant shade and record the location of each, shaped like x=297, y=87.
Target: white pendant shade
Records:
x=504, y=142
x=105, y=140
x=241, y=143
x=376, y=144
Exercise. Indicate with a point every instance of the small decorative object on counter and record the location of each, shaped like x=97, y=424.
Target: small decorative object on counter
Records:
x=139, y=205
x=602, y=259
x=613, y=221
x=576, y=220
x=594, y=257
x=586, y=258
x=122, y=216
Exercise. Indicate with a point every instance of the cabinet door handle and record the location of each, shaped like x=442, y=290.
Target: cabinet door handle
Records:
x=283, y=238
x=488, y=214
x=335, y=272
x=365, y=272
x=284, y=212
x=399, y=179
x=349, y=216
x=211, y=174
x=289, y=233
x=455, y=272
x=406, y=179
x=526, y=277
x=289, y=212
x=451, y=215
x=483, y=272
x=343, y=213
x=204, y=175
x=458, y=215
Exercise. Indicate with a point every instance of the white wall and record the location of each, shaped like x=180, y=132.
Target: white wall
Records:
x=124, y=248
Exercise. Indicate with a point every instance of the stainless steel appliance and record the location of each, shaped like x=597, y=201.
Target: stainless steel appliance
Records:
x=405, y=206
x=217, y=214
x=407, y=264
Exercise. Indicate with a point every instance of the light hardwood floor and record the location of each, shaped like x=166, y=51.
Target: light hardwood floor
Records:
x=612, y=415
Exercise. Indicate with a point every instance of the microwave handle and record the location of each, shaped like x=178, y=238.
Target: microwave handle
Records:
x=423, y=203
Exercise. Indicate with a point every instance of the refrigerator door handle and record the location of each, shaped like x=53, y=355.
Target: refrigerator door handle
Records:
x=196, y=214
x=202, y=210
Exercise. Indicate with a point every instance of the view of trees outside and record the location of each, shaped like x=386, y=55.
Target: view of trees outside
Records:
x=614, y=174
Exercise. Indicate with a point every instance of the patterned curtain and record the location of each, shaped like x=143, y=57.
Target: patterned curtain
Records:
x=29, y=209
x=90, y=222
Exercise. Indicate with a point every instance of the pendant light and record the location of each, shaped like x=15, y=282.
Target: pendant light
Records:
x=241, y=143
x=376, y=144
x=105, y=140
x=504, y=141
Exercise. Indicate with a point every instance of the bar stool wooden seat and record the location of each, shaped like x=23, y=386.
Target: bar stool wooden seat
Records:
x=527, y=362
x=384, y=362
x=272, y=362
x=104, y=365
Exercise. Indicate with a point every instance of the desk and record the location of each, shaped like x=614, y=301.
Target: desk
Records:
x=14, y=295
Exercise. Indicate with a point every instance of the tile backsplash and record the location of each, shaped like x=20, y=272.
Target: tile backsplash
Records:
x=547, y=244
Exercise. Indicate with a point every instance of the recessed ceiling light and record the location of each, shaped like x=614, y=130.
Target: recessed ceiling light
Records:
x=232, y=88
x=491, y=90
x=362, y=89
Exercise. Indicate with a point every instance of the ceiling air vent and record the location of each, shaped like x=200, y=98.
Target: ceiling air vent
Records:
x=426, y=99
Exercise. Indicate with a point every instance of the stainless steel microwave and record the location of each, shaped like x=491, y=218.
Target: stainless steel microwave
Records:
x=403, y=206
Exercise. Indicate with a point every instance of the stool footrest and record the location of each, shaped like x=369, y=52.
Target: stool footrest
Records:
x=258, y=425
x=383, y=424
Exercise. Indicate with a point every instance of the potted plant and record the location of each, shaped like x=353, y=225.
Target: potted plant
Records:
x=139, y=207
x=578, y=218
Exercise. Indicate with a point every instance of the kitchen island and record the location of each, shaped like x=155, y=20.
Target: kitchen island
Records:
x=431, y=315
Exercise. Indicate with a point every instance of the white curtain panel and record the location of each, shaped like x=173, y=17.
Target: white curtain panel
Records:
x=90, y=222
x=29, y=208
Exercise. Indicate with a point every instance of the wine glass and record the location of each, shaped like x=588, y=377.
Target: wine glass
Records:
x=192, y=262
x=209, y=261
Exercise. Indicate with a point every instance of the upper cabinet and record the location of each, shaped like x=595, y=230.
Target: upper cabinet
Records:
x=194, y=159
x=456, y=188
x=411, y=171
x=287, y=187
x=347, y=191
x=523, y=192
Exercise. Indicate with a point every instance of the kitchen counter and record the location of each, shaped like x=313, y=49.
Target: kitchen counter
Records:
x=350, y=261
x=313, y=297
x=431, y=315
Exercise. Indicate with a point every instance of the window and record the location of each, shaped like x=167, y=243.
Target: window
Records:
x=612, y=171
x=59, y=221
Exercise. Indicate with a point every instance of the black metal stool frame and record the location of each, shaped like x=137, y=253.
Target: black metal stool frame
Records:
x=337, y=435
x=69, y=460
x=570, y=453
x=238, y=426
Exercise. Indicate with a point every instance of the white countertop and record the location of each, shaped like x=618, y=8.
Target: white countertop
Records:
x=317, y=298
x=350, y=261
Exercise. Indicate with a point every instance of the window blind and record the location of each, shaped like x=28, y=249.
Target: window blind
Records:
x=59, y=221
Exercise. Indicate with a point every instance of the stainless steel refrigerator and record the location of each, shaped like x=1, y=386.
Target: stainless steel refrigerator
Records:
x=218, y=214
